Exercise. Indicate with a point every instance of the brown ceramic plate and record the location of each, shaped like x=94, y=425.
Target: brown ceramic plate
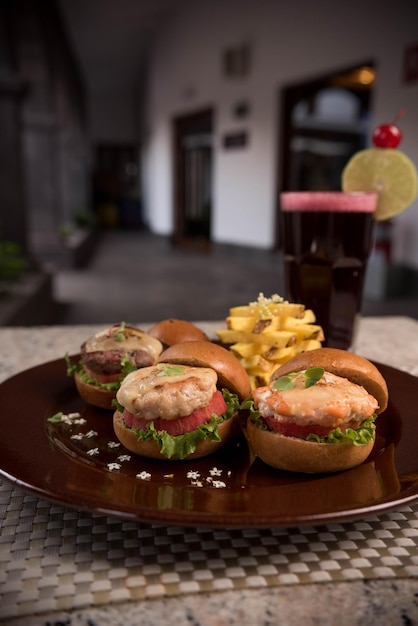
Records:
x=78, y=465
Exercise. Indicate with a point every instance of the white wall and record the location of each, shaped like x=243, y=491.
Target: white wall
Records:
x=292, y=41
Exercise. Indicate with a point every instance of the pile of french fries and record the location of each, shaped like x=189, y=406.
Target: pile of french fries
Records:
x=266, y=333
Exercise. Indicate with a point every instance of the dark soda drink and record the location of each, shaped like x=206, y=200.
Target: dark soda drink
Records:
x=327, y=241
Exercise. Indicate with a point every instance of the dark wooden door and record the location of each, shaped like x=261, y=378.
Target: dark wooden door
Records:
x=193, y=179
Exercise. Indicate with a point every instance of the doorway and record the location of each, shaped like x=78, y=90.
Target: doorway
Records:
x=323, y=122
x=193, y=156
x=115, y=186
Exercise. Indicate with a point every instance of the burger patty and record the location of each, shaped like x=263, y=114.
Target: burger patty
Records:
x=331, y=402
x=167, y=392
x=109, y=361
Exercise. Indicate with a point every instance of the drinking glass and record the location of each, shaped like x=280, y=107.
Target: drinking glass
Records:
x=327, y=239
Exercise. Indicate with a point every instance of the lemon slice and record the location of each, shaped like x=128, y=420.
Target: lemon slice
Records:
x=389, y=172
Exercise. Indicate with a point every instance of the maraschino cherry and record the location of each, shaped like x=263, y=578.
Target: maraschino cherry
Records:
x=388, y=135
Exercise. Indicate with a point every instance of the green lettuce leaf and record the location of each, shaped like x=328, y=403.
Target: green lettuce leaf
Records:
x=357, y=437
x=77, y=368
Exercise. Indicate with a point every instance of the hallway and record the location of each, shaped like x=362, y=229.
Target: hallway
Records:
x=137, y=278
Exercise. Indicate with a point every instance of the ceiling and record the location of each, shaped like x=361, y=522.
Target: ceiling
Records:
x=111, y=37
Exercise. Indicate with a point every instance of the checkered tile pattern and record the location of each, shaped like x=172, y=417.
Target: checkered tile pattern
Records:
x=54, y=558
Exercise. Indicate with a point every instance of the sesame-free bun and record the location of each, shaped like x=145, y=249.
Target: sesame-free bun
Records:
x=231, y=373
x=151, y=449
x=341, y=363
x=172, y=331
x=102, y=398
x=298, y=455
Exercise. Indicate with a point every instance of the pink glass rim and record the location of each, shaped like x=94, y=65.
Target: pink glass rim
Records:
x=350, y=202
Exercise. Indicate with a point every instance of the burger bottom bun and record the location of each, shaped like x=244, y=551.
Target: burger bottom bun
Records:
x=96, y=396
x=297, y=455
x=151, y=449
x=172, y=331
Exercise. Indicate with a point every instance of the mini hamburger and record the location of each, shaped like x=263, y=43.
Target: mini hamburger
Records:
x=317, y=413
x=107, y=357
x=184, y=406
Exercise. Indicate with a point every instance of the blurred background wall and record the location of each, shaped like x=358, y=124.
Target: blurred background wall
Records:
x=188, y=117
x=287, y=43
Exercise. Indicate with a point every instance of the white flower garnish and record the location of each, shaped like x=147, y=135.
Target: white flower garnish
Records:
x=144, y=475
x=91, y=433
x=215, y=471
x=113, y=444
x=112, y=467
x=193, y=475
x=124, y=457
x=93, y=451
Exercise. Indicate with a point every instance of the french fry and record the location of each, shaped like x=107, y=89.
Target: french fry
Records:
x=257, y=363
x=306, y=331
x=246, y=350
x=241, y=323
x=264, y=334
x=307, y=318
x=284, y=354
x=279, y=339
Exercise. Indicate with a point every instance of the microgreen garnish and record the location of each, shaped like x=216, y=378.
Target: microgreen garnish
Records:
x=171, y=370
x=56, y=419
x=71, y=367
x=310, y=376
x=284, y=383
x=127, y=366
x=120, y=334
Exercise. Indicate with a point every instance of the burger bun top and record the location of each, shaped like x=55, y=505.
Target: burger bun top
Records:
x=172, y=331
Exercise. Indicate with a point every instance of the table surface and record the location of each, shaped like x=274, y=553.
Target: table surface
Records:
x=61, y=564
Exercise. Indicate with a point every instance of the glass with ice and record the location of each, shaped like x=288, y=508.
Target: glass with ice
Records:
x=326, y=244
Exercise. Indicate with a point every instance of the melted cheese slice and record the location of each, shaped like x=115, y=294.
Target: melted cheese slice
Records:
x=127, y=339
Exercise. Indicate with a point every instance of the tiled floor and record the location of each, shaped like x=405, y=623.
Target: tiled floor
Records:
x=137, y=277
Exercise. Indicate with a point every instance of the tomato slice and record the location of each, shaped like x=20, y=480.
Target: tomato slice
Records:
x=183, y=424
x=290, y=429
